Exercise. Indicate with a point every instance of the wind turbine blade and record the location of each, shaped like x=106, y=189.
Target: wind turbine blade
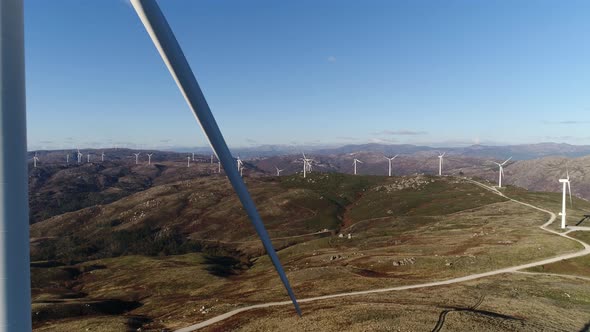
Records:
x=161, y=34
x=507, y=160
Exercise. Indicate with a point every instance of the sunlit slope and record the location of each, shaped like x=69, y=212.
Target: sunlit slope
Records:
x=203, y=210
x=56, y=189
x=404, y=230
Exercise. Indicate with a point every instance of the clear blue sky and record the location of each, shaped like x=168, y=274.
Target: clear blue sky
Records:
x=311, y=72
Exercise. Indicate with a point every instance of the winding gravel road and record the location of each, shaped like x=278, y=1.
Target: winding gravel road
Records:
x=512, y=269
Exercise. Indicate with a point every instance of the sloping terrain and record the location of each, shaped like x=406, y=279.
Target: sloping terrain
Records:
x=536, y=174
x=56, y=189
x=180, y=253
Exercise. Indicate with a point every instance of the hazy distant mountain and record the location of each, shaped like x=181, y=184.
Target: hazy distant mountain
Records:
x=518, y=152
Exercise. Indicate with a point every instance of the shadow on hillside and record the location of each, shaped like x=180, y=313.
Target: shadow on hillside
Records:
x=441, y=319
x=586, y=327
x=222, y=266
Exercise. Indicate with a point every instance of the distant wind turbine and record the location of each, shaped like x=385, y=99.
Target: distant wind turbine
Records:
x=566, y=182
x=67, y=158
x=306, y=165
x=501, y=171
x=440, y=163
x=88, y=157
x=161, y=34
x=239, y=163
x=390, y=160
x=35, y=160
x=150, y=158
x=211, y=159
x=137, y=158
x=188, y=161
x=279, y=171
x=354, y=163
x=79, y=156
x=240, y=166
x=102, y=156
x=193, y=156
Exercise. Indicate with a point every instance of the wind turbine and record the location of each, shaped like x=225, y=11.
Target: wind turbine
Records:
x=306, y=165
x=354, y=163
x=102, y=156
x=149, y=158
x=440, y=163
x=193, y=156
x=15, y=281
x=211, y=159
x=219, y=166
x=390, y=160
x=67, y=158
x=240, y=165
x=88, y=157
x=136, y=158
x=188, y=161
x=566, y=182
x=79, y=156
x=279, y=171
x=161, y=34
x=501, y=171
x=35, y=159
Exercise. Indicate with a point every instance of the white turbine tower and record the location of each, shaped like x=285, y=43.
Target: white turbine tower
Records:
x=239, y=163
x=390, y=160
x=306, y=165
x=211, y=159
x=354, y=163
x=88, y=157
x=79, y=156
x=219, y=166
x=35, y=160
x=501, y=171
x=102, y=156
x=163, y=38
x=566, y=182
x=240, y=166
x=279, y=171
x=440, y=163
x=150, y=158
x=136, y=158
x=188, y=161
x=67, y=158
x=193, y=156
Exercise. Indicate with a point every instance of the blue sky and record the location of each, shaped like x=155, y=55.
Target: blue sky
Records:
x=312, y=72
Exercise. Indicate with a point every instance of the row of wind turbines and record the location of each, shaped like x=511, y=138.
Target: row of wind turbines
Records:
x=565, y=182
x=307, y=163
x=307, y=166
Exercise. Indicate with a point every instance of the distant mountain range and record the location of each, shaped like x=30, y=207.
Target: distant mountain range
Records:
x=518, y=152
